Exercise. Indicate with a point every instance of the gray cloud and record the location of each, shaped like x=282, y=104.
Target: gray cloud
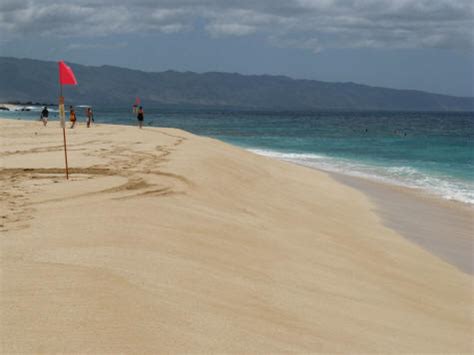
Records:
x=306, y=24
x=91, y=45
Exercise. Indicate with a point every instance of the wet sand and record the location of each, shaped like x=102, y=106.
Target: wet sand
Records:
x=444, y=228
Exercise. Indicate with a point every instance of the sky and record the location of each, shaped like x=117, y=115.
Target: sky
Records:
x=405, y=44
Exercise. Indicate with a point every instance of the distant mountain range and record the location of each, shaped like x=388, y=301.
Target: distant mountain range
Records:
x=35, y=80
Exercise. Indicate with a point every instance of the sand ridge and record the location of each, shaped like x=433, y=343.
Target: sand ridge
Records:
x=166, y=241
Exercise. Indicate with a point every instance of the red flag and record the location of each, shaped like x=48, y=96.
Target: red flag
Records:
x=137, y=101
x=66, y=75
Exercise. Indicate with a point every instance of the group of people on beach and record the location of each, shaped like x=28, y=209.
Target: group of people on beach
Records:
x=72, y=116
x=90, y=116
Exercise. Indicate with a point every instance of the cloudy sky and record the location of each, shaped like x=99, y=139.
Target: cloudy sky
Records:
x=412, y=44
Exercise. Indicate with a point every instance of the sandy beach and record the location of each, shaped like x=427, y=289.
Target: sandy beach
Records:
x=164, y=241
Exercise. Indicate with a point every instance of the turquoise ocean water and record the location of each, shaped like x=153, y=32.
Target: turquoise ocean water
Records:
x=432, y=151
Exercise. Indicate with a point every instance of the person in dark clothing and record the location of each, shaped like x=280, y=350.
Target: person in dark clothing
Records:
x=44, y=116
x=140, y=117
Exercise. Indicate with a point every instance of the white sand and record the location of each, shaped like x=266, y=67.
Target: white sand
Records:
x=163, y=241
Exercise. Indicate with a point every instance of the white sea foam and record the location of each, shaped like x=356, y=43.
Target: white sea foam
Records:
x=34, y=109
x=444, y=186
x=24, y=108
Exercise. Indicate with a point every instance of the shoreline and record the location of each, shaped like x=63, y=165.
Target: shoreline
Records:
x=414, y=214
x=167, y=241
x=376, y=179
x=440, y=226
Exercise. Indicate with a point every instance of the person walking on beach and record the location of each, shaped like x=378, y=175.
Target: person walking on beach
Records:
x=44, y=116
x=140, y=117
x=90, y=116
x=72, y=116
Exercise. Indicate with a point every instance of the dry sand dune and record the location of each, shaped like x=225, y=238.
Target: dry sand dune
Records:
x=163, y=241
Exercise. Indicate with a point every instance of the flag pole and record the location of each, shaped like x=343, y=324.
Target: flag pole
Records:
x=66, y=77
x=63, y=124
